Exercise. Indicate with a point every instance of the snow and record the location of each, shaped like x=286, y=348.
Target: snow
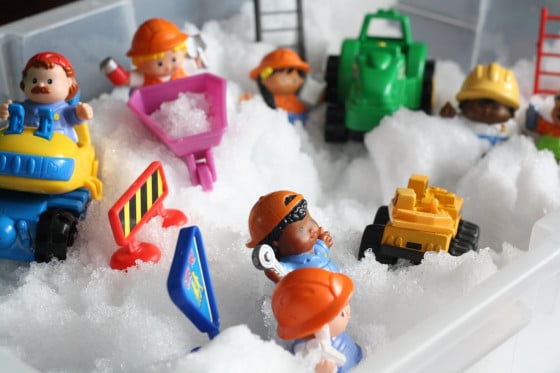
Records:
x=184, y=116
x=80, y=315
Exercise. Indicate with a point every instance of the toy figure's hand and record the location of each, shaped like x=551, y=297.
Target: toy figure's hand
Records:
x=447, y=111
x=4, y=113
x=325, y=236
x=531, y=117
x=245, y=96
x=84, y=111
x=326, y=366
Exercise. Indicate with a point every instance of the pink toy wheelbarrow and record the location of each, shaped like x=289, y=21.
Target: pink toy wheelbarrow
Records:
x=195, y=150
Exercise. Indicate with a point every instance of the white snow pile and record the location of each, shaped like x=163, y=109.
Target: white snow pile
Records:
x=81, y=316
x=184, y=116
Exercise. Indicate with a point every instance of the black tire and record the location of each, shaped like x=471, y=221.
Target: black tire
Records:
x=357, y=136
x=55, y=233
x=331, y=77
x=426, y=103
x=335, y=128
x=466, y=239
x=382, y=215
x=371, y=239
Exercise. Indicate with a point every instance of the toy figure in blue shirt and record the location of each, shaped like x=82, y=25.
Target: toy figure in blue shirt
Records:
x=312, y=307
x=280, y=219
x=49, y=83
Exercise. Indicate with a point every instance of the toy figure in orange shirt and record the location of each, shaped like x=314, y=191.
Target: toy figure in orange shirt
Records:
x=158, y=51
x=549, y=131
x=280, y=77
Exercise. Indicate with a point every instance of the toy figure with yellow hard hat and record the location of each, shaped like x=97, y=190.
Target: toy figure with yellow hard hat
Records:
x=488, y=98
x=158, y=51
x=312, y=307
x=280, y=220
x=283, y=81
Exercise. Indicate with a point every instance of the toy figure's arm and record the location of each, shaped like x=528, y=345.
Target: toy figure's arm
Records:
x=447, y=111
x=4, y=113
x=265, y=260
x=531, y=117
x=322, y=343
x=115, y=72
x=325, y=236
x=84, y=111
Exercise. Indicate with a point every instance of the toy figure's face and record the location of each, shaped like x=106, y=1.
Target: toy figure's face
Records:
x=166, y=66
x=556, y=113
x=298, y=237
x=283, y=82
x=46, y=85
x=485, y=111
x=340, y=322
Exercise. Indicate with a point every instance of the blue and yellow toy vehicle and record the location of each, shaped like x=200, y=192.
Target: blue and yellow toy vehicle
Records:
x=46, y=184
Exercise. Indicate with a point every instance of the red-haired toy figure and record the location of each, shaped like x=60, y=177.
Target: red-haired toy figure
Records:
x=281, y=77
x=50, y=86
x=312, y=307
x=158, y=51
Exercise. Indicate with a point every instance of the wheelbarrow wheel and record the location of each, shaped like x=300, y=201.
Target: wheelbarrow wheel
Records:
x=204, y=176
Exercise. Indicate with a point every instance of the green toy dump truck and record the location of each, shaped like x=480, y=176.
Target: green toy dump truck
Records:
x=374, y=76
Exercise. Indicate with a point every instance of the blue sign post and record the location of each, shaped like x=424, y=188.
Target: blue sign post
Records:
x=189, y=284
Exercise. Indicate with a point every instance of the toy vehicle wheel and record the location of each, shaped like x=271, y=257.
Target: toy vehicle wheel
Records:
x=382, y=215
x=331, y=77
x=427, y=102
x=466, y=239
x=55, y=233
x=335, y=129
x=373, y=234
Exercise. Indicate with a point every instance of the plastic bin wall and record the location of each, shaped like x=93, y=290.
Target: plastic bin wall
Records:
x=474, y=28
x=87, y=31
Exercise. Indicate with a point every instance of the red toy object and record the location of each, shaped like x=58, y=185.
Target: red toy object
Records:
x=142, y=201
x=545, y=17
x=195, y=150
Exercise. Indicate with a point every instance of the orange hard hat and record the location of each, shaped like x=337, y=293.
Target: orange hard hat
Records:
x=155, y=35
x=282, y=58
x=308, y=298
x=268, y=212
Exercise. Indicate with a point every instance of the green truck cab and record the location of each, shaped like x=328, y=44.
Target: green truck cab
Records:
x=374, y=76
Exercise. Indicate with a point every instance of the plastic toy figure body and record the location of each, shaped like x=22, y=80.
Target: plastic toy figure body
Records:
x=280, y=219
x=49, y=84
x=549, y=131
x=488, y=99
x=280, y=78
x=158, y=51
x=311, y=306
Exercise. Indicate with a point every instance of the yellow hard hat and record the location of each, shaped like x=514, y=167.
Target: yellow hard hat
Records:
x=493, y=82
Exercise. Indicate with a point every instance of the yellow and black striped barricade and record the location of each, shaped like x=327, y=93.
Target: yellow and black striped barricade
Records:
x=142, y=201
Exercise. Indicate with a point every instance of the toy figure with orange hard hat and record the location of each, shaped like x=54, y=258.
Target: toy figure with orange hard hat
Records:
x=158, y=51
x=283, y=81
x=488, y=99
x=52, y=91
x=549, y=130
x=312, y=307
x=280, y=220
